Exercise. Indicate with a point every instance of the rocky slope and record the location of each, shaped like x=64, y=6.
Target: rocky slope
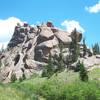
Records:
x=30, y=47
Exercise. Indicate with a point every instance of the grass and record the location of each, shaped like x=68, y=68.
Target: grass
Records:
x=94, y=74
x=8, y=93
x=64, y=86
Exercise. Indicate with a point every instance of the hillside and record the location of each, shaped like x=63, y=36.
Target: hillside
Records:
x=64, y=86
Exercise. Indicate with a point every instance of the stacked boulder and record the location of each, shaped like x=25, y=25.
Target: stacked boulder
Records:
x=30, y=47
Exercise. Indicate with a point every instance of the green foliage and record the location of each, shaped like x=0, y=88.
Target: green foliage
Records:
x=96, y=49
x=82, y=72
x=64, y=86
x=77, y=69
x=82, y=91
x=58, y=61
x=0, y=63
x=48, y=69
x=55, y=65
x=22, y=78
x=74, y=48
x=60, y=90
x=13, y=78
x=84, y=47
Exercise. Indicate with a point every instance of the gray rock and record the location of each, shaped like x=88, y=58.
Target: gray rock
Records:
x=98, y=56
x=49, y=43
x=30, y=47
x=46, y=33
x=76, y=35
x=63, y=36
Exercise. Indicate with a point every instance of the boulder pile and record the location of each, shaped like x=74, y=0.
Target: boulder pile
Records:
x=30, y=47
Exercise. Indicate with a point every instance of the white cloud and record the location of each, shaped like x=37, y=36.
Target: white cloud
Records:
x=7, y=28
x=71, y=24
x=94, y=9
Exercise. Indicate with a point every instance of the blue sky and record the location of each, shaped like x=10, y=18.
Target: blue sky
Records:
x=58, y=11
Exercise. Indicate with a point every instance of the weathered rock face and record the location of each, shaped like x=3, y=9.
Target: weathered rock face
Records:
x=29, y=48
x=76, y=35
x=63, y=36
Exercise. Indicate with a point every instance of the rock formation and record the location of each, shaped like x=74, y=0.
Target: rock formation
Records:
x=30, y=47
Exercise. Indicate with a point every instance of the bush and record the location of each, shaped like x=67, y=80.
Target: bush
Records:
x=0, y=63
x=48, y=69
x=52, y=91
x=59, y=88
x=96, y=49
x=74, y=47
x=82, y=91
x=77, y=68
x=13, y=78
x=22, y=78
x=83, y=73
x=74, y=91
x=84, y=47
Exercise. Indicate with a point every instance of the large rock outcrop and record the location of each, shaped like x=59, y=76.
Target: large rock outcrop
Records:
x=30, y=47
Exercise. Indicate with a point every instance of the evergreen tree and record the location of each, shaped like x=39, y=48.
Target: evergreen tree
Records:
x=84, y=47
x=77, y=68
x=48, y=69
x=74, y=47
x=22, y=78
x=96, y=49
x=55, y=64
x=13, y=78
x=82, y=71
x=60, y=63
x=0, y=63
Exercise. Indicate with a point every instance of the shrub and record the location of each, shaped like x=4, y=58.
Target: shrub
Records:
x=84, y=47
x=59, y=60
x=13, y=78
x=59, y=88
x=0, y=63
x=22, y=78
x=74, y=91
x=83, y=72
x=77, y=68
x=96, y=49
x=48, y=69
x=74, y=47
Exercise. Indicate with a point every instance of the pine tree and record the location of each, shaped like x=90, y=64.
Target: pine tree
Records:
x=0, y=63
x=96, y=49
x=74, y=48
x=48, y=69
x=60, y=62
x=84, y=47
x=82, y=71
x=13, y=78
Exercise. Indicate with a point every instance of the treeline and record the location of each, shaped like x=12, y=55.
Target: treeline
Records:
x=96, y=48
